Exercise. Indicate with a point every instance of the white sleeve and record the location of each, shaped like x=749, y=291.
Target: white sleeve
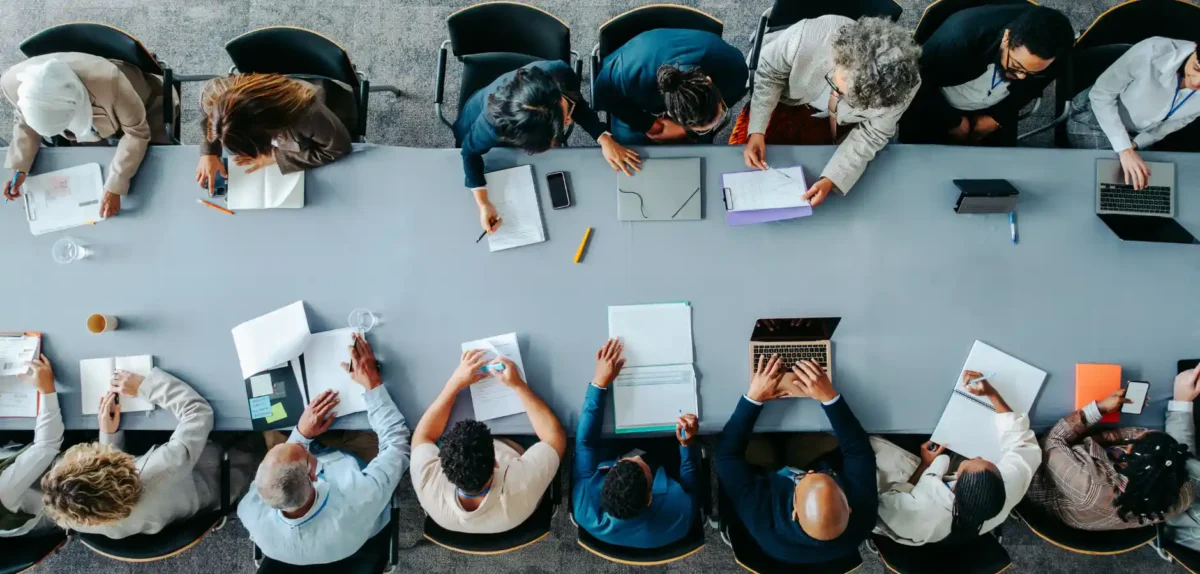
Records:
x=1106, y=93
x=31, y=464
x=195, y=416
x=914, y=512
x=1020, y=460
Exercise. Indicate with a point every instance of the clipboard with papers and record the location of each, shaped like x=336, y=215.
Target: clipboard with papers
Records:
x=63, y=199
x=759, y=196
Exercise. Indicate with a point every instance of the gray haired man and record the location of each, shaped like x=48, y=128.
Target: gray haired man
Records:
x=311, y=504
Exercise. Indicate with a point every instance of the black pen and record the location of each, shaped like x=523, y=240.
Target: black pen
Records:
x=355, y=337
x=481, y=236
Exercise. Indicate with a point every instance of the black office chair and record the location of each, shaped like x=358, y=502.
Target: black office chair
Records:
x=678, y=550
x=379, y=554
x=495, y=38
x=985, y=555
x=617, y=31
x=784, y=13
x=1171, y=552
x=113, y=44
x=21, y=553
x=1095, y=543
x=176, y=538
x=535, y=528
x=749, y=555
x=306, y=54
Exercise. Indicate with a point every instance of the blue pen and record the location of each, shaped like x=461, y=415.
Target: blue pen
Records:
x=494, y=367
x=1012, y=225
x=682, y=431
x=12, y=185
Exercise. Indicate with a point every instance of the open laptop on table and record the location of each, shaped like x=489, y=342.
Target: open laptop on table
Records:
x=1139, y=215
x=794, y=339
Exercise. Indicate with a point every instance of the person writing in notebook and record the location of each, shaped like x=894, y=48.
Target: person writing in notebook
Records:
x=630, y=501
x=1113, y=479
x=22, y=466
x=474, y=483
x=936, y=504
x=800, y=516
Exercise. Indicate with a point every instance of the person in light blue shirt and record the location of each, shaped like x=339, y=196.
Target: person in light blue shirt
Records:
x=314, y=505
x=624, y=502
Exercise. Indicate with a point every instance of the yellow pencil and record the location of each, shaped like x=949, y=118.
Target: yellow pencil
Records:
x=582, y=244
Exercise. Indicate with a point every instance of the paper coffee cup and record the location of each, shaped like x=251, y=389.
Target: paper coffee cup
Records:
x=98, y=323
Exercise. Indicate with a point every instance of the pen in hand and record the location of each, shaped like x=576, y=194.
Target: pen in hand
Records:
x=683, y=430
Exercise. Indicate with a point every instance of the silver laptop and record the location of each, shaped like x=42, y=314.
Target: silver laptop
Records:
x=1114, y=196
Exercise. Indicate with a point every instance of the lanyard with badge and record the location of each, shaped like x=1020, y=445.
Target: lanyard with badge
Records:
x=997, y=79
x=1174, y=106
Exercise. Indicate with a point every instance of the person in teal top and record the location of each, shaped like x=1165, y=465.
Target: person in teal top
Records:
x=624, y=501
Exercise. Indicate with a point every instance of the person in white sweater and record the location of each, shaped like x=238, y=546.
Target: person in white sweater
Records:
x=99, y=489
x=20, y=467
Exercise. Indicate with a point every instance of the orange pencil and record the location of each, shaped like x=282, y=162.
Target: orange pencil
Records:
x=214, y=206
x=582, y=244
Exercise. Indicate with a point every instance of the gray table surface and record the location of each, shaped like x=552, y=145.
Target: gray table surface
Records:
x=393, y=230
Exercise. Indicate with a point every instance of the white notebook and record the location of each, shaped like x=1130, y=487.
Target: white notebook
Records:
x=659, y=334
x=266, y=188
x=96, y=378
x=323, y=358
x=266, y=342
x=63, y=199
x=966, y=426
x=491, y=398
x=515, y=198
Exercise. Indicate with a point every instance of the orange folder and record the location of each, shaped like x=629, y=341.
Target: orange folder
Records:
x=1094, y=382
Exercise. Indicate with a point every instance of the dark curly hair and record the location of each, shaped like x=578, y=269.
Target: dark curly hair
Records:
x=468, y=455
x=978, y=497
x=626, y=490
x=1157, y=470
x=1045, y=32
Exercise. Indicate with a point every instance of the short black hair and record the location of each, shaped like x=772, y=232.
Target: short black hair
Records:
x=691, y=98
x=1157, y=470
x=626, y=490
x=468, y=455
x=1045, y=32
x=527, y=111
x=978, y=497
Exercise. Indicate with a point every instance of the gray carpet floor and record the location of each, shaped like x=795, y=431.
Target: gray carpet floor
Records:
x=395, y=42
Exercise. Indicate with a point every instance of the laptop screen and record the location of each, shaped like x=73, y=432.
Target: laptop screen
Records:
x=795, y=329
x=1151, y=229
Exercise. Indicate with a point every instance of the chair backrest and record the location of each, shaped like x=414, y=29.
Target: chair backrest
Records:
x=749, y=555
x=509, y=27
x=1136, y=20
x=983, y=554
x=1087, y=65
x=95, y=39
x=20, y=553
x=292, y=52
x=623, y=28
x=1084, y=541
x=535, y=528
x=176, y=538
x=787, y=12
x=937, y=13
x=371, y=558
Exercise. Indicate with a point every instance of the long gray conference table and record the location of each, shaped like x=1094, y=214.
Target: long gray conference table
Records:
x=393, y=230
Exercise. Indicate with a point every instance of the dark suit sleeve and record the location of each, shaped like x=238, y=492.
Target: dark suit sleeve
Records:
x=858, y=461
x=734, y=472
x=479, y=140
x=323, y=140
x=726, y=65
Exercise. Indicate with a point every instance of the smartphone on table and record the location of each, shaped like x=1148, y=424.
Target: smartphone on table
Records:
x=560, y=195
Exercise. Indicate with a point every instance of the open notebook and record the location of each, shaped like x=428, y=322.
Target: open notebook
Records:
x=266, y=188
x=659, y=377
x=96, y=378
x=966, y=426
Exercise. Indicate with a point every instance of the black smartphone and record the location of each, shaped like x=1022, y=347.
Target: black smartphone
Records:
x=560, y=196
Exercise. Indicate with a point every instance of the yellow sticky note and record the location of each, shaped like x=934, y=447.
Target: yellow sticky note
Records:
x=277, y=413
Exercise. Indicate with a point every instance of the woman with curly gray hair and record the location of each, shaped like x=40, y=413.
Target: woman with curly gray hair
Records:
x=843, y=72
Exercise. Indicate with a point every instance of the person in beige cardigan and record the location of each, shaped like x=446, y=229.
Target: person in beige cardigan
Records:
x=83, y=98
x=862, y=73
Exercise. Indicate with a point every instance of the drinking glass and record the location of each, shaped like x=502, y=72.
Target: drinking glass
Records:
x=362, y=320
x=68, y=249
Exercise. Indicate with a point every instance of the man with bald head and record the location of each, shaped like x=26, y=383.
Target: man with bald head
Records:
x=311, y=504
x=800, y=516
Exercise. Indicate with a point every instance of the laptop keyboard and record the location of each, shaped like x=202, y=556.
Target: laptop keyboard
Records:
x=790, y=354
x=1120, y=197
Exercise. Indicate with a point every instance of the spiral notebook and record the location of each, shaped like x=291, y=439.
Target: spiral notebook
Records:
x=966, y=425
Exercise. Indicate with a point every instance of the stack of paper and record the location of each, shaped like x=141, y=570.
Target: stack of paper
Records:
x=761, y=196
x=63, y=199
x=265, y=188
x=323, y=358
x=271, y=340
x=18, y=398
x=491, y=397
x=659, y=378
x=966, y=426
x=96, y=377
x=515, y=198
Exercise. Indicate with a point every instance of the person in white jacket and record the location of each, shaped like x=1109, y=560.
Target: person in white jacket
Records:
x=20, y=468
x=936, y=505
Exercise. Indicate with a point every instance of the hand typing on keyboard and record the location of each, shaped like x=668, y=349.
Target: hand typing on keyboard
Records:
x=1137, y=173
x=813, y=381
x=764, y=385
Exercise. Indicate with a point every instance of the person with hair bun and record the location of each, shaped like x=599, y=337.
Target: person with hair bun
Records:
x=1120, y=478
x=670, y=86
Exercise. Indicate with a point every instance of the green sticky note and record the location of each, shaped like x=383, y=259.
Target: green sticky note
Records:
x=277, y=413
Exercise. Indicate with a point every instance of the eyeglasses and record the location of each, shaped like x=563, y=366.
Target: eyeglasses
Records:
x=570, y=106
x=840, y=95
x=1017, y=69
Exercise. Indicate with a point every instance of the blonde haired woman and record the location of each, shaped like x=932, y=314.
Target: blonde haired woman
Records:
x=97, y=488
x=21, y=466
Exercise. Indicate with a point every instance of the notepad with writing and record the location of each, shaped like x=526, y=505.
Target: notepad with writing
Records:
x=514, y=195
x=18, y=398
x=96, y=379
x=966, y=426
x=1094, y=382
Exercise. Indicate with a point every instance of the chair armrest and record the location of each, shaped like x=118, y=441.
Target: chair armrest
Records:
x=440, y=86
x=756, y=49
x=393, y=544
x=364, y=89
x=169, y=87
x=226, y=503
x=1037, y=105
x=1056, y=121
x=196, y=77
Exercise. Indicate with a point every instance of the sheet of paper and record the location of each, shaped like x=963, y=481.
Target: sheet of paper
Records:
x=278, y=413
x=515, y=197
x=96, y=379
x=261, y=385
x=17, y=398
x=770, y=189
x=266, y=188
x=272, y=339
x=651, y=398
x=260, y=407
x=658, y=334
x=63, y=199
x=323, y=358
x=15, y=353
x=491, y=398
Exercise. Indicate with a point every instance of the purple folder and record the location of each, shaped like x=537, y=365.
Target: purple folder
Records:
x=762, y=215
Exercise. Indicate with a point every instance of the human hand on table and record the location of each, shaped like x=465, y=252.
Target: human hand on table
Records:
x=126, y=383
x=207, y=170
x=11, y=192
x=468, y=371
x=814, y=381
x=110, y=205
x=42, y=376
x=488, y=218
x=816, y=194
x=363, y=367
x=608, y=363
x=764, y=385
x=619, y=157
x=109, y=417
x=318, y=415
x=755, y=152
x=255, y=163
x=1137, y=173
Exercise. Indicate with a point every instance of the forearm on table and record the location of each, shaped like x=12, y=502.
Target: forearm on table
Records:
x=545, y=424
x=480, y=194
x=433, y=422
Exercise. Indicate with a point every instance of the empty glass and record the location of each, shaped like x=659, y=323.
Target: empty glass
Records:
x=362, y=320
x=68, y=249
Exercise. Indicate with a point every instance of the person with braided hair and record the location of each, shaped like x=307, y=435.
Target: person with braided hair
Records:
x=1121, y=478
x=625, y=501
x=934, y=504
x=670, y=86
x=1184, y=528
